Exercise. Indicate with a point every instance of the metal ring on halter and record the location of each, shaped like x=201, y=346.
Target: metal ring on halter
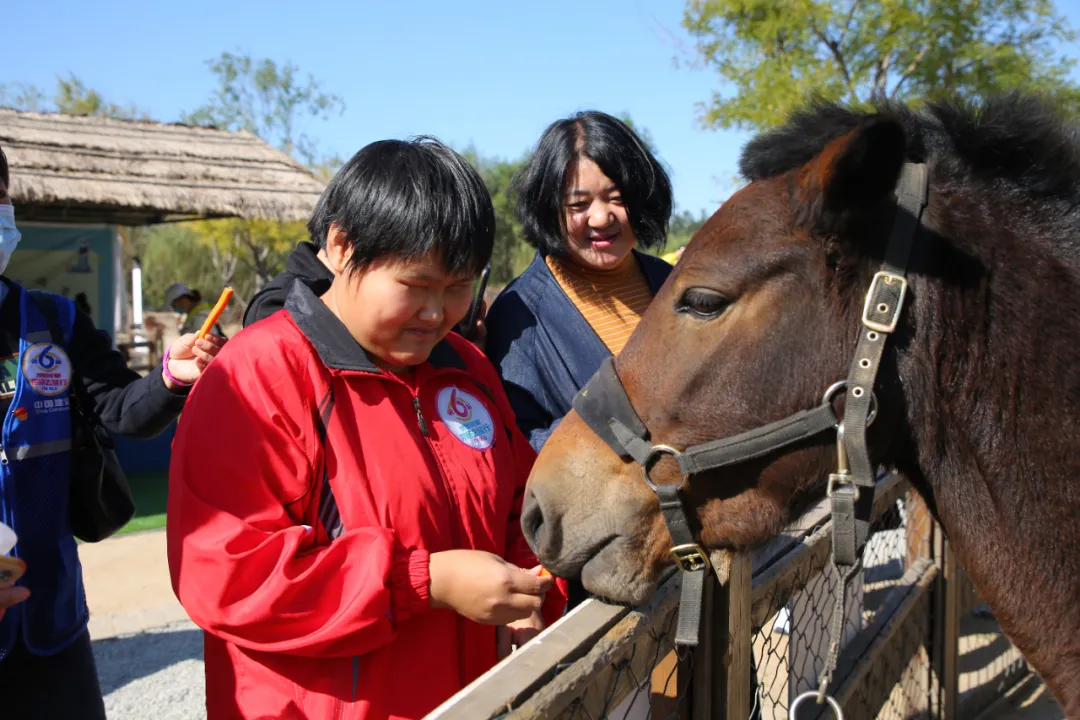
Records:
x=814, y=694
x=657, y=450
x=839, y=385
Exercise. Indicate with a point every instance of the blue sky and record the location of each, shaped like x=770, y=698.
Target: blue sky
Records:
x=490, y=74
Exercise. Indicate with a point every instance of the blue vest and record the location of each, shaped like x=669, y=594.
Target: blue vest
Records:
x=35, y=474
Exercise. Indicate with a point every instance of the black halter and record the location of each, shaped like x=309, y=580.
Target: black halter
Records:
x=603, y=405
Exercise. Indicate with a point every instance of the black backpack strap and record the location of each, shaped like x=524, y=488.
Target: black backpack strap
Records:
x=45, y=305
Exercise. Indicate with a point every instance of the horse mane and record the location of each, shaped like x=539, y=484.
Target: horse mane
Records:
x=1019, y=144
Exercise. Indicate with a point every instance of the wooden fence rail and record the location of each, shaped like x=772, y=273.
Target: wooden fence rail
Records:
x=902, y=657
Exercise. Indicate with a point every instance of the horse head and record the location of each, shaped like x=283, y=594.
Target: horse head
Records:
x=978, y=390
x=756, y=321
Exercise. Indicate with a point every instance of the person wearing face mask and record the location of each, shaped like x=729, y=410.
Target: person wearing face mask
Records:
x=46, y=663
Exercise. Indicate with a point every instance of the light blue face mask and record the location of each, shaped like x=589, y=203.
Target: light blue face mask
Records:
x=9, y=235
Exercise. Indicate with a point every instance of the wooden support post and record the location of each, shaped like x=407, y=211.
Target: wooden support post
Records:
x=667, y=679
x=945, y=657
x=722, y=661
x=919, y=535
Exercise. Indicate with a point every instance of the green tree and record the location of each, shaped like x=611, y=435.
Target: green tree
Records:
x=641, y=132
x=174, y=253
x=273, y=102
x=267, y=100
x=246, y=254
x=682, y=227
x=774, y=54
x=511, y=254
x=28, y=98
x=72, y=97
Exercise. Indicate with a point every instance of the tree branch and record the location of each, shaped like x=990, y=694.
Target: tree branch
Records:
x=847, y=23
x=834, y=48
x=881, y=77
x=910, y=70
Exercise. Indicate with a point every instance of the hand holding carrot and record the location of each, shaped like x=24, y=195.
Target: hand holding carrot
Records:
x=215, y=314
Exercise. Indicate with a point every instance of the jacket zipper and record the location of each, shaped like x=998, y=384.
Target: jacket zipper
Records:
x=426, y=432
x=419, y=418
x=454, y=512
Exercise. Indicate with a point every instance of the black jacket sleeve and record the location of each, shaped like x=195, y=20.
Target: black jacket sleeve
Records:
x=139, y=407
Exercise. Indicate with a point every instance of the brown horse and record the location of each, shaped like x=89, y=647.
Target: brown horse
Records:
x=979, y=387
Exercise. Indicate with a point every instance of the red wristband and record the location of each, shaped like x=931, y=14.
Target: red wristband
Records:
x=168, y=375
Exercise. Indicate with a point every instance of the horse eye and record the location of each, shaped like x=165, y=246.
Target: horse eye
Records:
x=703, y=303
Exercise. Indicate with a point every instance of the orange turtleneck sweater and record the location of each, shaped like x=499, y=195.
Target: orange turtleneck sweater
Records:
x=611, y=301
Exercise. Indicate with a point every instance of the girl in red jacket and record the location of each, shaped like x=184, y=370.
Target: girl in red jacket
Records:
x=347, y=476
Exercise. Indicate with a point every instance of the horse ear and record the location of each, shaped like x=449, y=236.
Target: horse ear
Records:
x=854, y=172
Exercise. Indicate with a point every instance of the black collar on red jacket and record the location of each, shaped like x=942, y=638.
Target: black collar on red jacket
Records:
x=336, y=347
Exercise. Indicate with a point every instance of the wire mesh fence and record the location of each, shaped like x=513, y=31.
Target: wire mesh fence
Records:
x=631, y=671
x=791, y=647
x=619, y=664
x=651, y=682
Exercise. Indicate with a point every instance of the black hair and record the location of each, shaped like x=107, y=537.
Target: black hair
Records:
x=5, y=177
x=405, y=199
x=618, y=152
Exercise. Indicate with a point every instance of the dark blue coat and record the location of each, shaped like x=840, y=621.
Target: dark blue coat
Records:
x=543, y=348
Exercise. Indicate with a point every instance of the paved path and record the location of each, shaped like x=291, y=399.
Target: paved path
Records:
x=127, y=584
x=149, y=654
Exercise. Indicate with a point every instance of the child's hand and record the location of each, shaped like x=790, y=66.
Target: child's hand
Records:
x=484, y=587
x=518, y=633
x=189, y=356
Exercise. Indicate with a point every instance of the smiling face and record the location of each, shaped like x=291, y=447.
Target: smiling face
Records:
x=597, y=226
x=397, y=310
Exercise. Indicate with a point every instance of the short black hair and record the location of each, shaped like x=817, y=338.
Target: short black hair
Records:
x=621, y=155
x=405, y=199
x=4, y=176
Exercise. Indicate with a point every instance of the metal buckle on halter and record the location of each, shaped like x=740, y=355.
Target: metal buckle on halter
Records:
x=871, y=295
x=840, y=481
x=690, y=557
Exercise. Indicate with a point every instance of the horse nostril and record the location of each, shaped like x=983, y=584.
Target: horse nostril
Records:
x=532, y=520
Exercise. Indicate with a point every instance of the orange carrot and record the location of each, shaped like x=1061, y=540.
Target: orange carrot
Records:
x=544, y=572
x=219, y=308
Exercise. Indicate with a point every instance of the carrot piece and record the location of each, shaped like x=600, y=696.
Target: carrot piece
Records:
x=544, y=572
x=219, y=308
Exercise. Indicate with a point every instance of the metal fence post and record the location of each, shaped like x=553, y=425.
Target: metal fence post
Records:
x=722, y=660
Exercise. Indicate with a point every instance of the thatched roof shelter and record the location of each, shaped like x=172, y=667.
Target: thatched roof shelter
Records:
x=69, y=169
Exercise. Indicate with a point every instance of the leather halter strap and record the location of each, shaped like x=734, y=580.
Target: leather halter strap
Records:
x=606, y=408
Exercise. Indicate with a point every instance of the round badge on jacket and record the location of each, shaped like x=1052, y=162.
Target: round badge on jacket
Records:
x=47, y=368
x=466, y=417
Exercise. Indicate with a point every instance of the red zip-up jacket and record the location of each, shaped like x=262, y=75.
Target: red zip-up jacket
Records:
x=306, y=492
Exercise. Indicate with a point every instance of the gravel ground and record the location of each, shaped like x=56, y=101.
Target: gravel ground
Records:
x=154, y=675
